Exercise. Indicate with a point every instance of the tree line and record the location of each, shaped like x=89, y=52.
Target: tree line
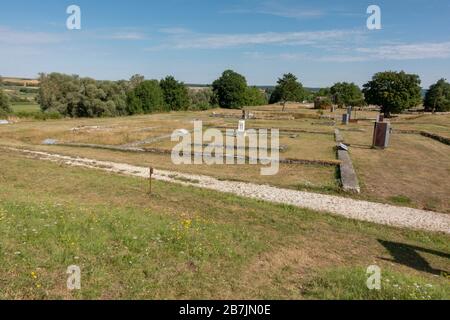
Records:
x=73, y=96
x=393, y=91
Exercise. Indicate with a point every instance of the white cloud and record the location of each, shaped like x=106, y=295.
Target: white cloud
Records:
x=409, y=51
x=174, y=30
x=127, y=36
x=281, y=56
x=275, y=8
x=15, y=37
x=417, y=51
x=219, y=41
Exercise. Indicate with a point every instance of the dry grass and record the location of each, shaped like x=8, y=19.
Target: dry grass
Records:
x=414, y=171
x=21, y=82
x=414, y=168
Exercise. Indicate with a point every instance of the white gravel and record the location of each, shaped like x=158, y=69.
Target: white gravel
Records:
x=354, y=209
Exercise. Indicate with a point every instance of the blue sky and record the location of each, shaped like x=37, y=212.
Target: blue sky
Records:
x=322, y=42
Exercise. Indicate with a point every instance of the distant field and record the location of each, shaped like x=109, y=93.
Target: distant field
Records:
x=20, y=81
x=27, y=108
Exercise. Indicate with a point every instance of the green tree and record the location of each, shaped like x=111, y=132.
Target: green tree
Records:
x=146, y=98
x=230, y=90
x=437, y=98
x=323, y=93
x=288, y=89
x=346, y=94
x=5, y=106
x=255, y=97
x=73, y=96
x=393, y=91
x=134, y=103
x=322, y=102
x=136, y=80
x=176, y=95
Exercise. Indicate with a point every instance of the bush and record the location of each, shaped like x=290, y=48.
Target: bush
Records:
x=81, y=97
x=5, y=106
x=346, y=95
x=201, y=99
x=176, y=95
x=255, y=97
x=437, y=98
x=288, y=89
x=322, y=103
x=147, y=97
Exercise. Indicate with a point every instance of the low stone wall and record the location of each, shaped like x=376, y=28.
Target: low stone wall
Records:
x=282, y=130
x=338, y=136
x=436, y=137
x=349, y=179
x=195, y=154
x=426, y=134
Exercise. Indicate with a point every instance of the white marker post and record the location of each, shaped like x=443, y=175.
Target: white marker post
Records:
x=241, y=128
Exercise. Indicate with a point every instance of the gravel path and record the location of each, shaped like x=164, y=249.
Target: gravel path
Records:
x=354, y=209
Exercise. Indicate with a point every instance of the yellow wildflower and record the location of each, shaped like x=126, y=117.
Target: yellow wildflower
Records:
x=187, y=224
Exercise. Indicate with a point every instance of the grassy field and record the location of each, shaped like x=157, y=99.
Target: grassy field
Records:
x=412, y=172
x=185, y=242
x=119, y=131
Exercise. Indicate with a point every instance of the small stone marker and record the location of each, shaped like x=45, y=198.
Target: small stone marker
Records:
x=345, y=119
x=181, y=132
x=381, y=135
x=50, y=142
x=349, y=112
x=241, y=128
x=342, y=146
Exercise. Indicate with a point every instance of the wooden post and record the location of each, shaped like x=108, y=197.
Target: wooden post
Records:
x=150, y=180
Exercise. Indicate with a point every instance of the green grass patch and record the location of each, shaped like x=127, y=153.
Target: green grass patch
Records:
x=25, y=108
x=181, y=242
x=400, y=200
x=351, y=284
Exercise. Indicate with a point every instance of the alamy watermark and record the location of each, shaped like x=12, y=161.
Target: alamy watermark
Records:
x=73, y=22
x=74, y=279
x=213, y=147
x=374, y=20
x=374, y=277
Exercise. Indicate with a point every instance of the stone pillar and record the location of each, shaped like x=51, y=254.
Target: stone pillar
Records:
x=381, y=135
x=349, y=112
x=345, y=119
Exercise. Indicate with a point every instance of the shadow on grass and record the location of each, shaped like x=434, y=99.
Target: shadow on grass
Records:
x=410, y=256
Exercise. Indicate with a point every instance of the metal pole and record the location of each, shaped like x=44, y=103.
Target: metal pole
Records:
x=150, y=180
